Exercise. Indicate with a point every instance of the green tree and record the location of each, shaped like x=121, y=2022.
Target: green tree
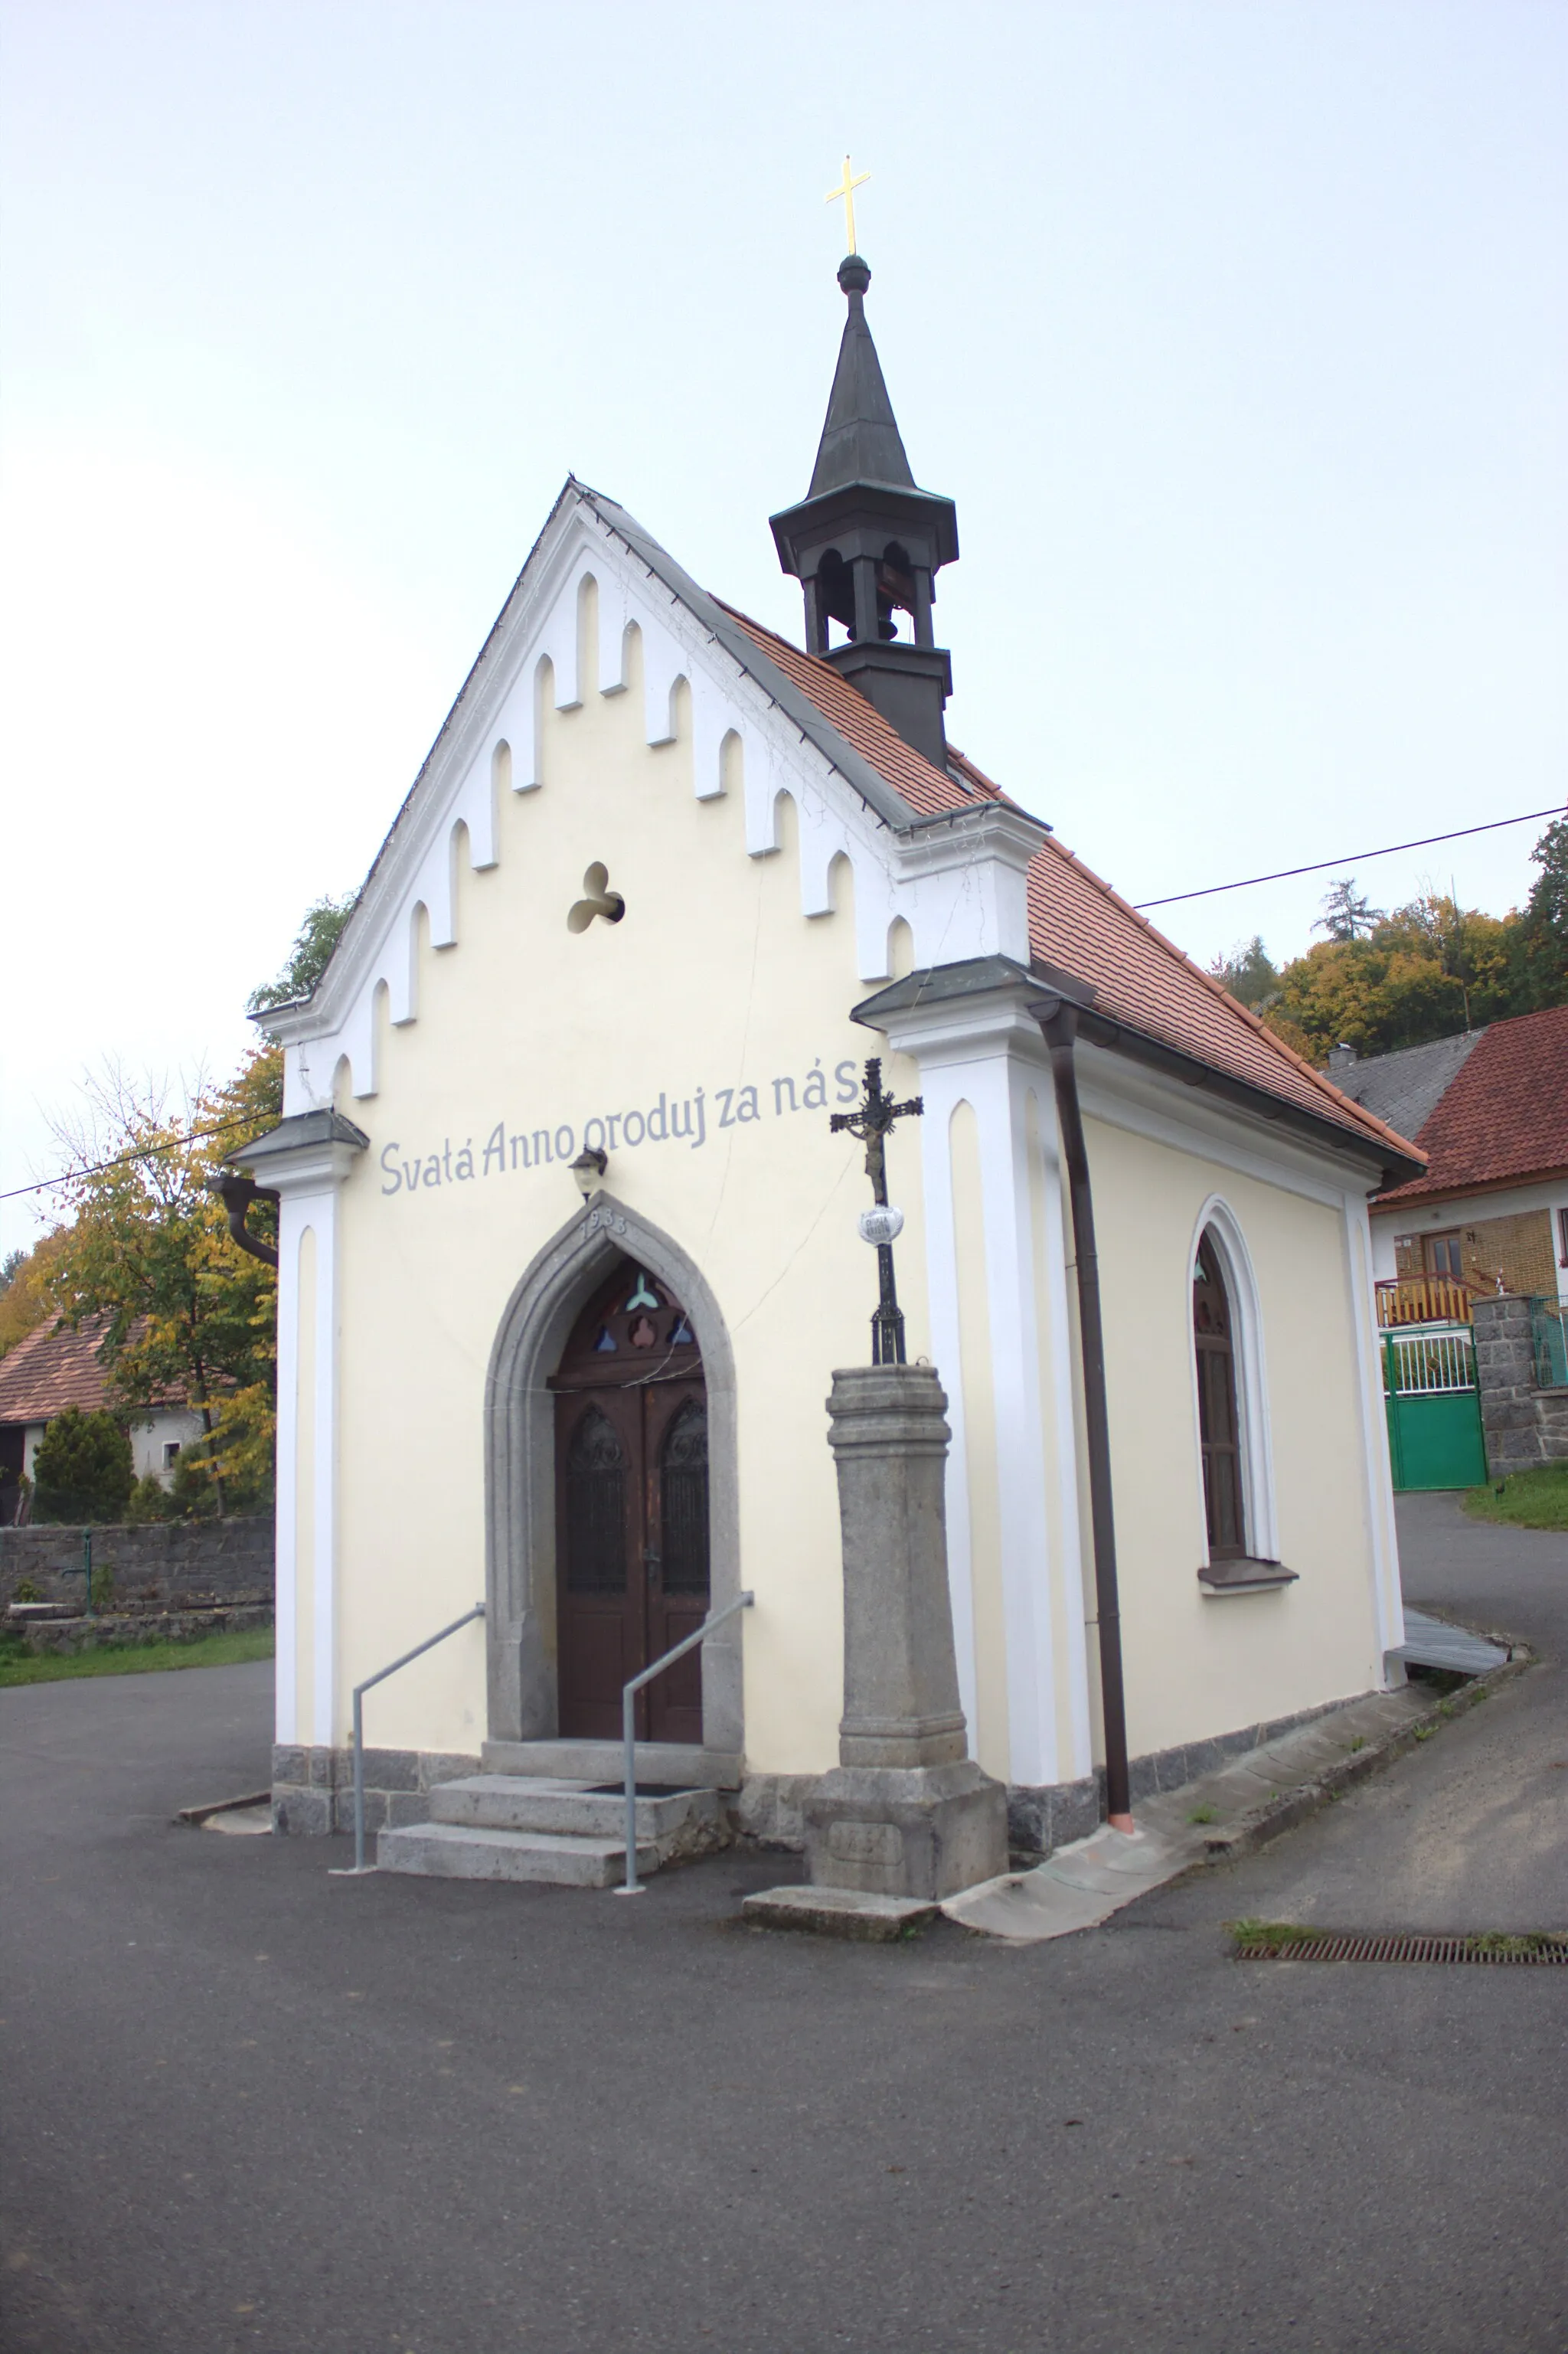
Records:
x=1347, y=917
x=1540, y=965
x=1426, y=970
x=309, y=958
x=1248, y=972
x=82, y=1470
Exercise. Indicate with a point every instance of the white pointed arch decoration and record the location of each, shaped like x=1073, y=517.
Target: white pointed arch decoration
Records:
x=1218, y=1221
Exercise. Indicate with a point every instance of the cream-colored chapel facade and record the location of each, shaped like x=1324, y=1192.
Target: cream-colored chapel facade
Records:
x=784, y=855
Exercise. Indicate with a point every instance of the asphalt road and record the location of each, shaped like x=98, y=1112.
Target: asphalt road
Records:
x=249, y=2106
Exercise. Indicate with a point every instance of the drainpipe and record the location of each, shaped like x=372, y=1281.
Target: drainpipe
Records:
x=1060, y=1028
x=236, y=1194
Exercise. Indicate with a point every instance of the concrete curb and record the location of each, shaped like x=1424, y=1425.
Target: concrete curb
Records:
x=1275, y=1815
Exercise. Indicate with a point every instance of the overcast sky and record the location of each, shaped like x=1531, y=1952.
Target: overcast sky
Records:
x=1236, y=330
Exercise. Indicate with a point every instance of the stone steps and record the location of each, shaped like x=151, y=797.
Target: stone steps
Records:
x=459, y=1852
x=509, y=1802
x=668, y=1764
x=559, y=1831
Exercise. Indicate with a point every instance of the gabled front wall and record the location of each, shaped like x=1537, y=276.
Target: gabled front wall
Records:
x=715, y=1007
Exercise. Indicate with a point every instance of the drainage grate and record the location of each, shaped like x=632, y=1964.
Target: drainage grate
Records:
x=1336, y=1946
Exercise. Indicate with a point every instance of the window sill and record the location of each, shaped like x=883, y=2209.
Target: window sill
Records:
x=1243, y=1577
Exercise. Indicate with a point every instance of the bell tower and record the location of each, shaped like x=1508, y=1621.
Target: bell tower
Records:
x=866, y=544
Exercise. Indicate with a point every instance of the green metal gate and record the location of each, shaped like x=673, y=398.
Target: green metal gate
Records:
x=1434, y=1407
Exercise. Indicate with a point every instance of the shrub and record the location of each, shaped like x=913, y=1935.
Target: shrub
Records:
x=192, y=1496
x=149, y=1501
x=82, y=1468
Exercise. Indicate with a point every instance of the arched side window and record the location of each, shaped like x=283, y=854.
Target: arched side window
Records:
x=1219, y=1420
x=1231, y=1404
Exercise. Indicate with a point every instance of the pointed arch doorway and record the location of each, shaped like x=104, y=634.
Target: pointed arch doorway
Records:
x=632, y=1574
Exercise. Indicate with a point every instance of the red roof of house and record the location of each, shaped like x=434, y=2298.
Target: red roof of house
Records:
x=53, y=1367
x=1504, y=1116
x=1079, y=925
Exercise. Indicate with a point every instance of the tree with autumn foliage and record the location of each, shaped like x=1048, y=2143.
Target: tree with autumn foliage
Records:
x=1426, y=970
x=147, y=1248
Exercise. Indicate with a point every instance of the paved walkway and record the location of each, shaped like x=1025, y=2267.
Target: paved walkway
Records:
x=1478, y=1840
x=1473, y=1833
x=1084, y=1884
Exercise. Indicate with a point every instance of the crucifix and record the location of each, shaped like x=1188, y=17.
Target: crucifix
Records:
x=872, y=1122
x=845, y=193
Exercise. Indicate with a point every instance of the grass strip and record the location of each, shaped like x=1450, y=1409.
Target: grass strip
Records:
x=1537, y=1499
x=1273, y=1933
x=228, y=1649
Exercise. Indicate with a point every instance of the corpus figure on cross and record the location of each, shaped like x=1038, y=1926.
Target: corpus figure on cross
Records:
x=872, y=1122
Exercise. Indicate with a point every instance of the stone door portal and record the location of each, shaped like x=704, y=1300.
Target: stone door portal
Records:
x=632, y=1511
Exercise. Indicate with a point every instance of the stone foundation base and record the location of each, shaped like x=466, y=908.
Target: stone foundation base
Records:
x=1040, y=1821
x=313, y=1790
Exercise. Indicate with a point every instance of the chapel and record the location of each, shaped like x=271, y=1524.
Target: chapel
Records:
x=570, y=1244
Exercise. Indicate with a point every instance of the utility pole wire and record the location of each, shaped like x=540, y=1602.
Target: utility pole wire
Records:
x=144, y=1152
x=1352, y=858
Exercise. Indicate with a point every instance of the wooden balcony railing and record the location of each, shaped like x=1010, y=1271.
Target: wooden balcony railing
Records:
x=1423, y=1299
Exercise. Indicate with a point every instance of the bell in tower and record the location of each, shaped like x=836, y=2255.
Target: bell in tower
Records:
x=865, y=544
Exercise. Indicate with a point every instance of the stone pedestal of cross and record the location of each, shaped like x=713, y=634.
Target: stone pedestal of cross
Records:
x=906, y=1817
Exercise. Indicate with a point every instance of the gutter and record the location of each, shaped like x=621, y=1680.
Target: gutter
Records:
x=236, y=1194
x=1100, y=1029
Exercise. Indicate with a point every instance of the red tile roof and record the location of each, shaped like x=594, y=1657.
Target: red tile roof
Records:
x=53, y=1367
x=1504, y=1116
x=1078, y=924
x=927, y=792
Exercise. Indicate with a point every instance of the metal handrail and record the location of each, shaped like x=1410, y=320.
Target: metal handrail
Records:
x=380, y=1676
x=631, y=1885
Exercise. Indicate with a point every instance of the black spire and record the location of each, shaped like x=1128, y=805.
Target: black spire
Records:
x=860, y=440
x=865, y=542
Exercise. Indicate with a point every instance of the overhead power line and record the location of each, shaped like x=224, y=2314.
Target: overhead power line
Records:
x=1352, y=858
x=143, y=1152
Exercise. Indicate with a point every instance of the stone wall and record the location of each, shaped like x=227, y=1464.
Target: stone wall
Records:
x=169, y=1562
x=1522, y=1426
x=56, y=1637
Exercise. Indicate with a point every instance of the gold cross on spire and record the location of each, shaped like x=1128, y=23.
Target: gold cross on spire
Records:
x=845, y=193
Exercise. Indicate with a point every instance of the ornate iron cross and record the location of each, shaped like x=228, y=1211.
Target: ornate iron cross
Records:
x=872, y=1122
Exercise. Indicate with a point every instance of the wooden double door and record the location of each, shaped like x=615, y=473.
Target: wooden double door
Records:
x=632, y=1511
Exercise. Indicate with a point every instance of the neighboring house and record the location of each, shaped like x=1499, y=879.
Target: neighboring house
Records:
x=54, y=1367
x=1489, y=1109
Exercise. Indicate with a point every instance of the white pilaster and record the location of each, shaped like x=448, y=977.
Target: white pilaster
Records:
x=305, y=1162
x=1388, y=1600
x=986, y=1051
